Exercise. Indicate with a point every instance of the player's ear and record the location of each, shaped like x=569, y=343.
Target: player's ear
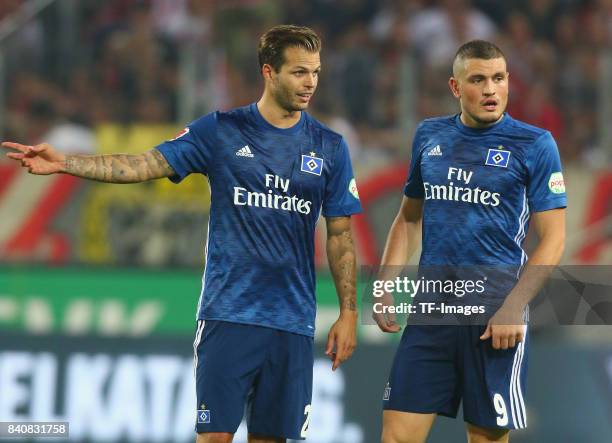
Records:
x=454, y=87
x=266, y=71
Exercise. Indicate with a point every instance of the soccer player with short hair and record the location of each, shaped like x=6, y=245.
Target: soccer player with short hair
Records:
x=273, y=169
x=475, y=180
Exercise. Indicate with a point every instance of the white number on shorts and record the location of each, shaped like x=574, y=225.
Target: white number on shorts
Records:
x=306, y=422
x=500, y=408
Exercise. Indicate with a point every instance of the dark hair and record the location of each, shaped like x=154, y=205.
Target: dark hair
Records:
x=479, y=49
x=273, y=43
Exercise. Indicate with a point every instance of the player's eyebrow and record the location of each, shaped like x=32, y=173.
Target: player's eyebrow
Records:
x=481, y=76
x=303, y=68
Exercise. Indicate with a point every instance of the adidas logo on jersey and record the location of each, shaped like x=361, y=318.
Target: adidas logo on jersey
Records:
x=435, y=151
x=244, y=152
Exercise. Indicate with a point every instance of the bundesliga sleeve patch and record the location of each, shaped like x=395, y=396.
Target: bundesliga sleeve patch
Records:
x=312, y=164
x=556, y=184
x=498, y=157
x=181, y=133
x=353, y=188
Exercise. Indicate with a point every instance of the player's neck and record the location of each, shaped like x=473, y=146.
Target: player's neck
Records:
x=471, y=123
x=275, y=115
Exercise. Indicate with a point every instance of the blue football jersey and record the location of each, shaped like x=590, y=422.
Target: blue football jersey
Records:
x=268, y=187
x=479, y=187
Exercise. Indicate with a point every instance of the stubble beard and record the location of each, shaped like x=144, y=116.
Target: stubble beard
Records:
x=487, y=121
x=284, y=98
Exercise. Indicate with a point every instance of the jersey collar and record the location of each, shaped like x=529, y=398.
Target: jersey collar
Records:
x=264, y=124
x=468, y=130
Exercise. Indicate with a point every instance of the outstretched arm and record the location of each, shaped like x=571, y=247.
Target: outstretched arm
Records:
x=43, y=159
x=342, y=262
x=119, y=168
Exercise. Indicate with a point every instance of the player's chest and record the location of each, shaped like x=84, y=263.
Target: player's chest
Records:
x=473, y=164
x=281, y=166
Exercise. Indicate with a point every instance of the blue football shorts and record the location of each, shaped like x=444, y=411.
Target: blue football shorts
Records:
x=262, y=372
x=436, y=367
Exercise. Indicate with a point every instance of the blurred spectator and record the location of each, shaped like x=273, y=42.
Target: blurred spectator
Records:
x=155, y=61
x=495, y=10
x=45, y=126
x=391, y=20
x=542, y=15
x=339, y=16
x=517, y=43
x=386, y=65
x=437, y=32
x=598, y=24
x=184, y=20
x=540, y=110
x=134, y=62
x=24, y=49
x=357, y=74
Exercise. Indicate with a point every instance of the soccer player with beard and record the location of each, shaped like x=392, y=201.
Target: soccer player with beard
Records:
x=272, y=169
x=475, y=179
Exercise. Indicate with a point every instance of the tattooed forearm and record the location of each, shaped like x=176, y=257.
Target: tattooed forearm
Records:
x=342, y=262
x=119, y=168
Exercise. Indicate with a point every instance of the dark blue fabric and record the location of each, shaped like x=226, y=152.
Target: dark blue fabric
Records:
x=437, y=367
x=264, y=209
x=477, y=211
x=268, y=370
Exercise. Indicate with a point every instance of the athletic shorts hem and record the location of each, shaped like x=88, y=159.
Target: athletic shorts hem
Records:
x=207, y=429
x=257, y=433
x=508, y=427
x=420, y=411
x=252, y=323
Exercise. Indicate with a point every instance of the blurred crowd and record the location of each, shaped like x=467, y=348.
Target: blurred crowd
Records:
x=130, y=61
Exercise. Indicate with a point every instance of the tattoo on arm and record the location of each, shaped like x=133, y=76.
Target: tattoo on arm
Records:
x=341, y=257
x=119, y=168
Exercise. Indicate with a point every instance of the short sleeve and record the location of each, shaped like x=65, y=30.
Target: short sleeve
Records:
x=341, y=196
x=414, y=184
x=191, y=151
x=545, y=186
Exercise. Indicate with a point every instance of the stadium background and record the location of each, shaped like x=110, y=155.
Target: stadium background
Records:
x=98, y=283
